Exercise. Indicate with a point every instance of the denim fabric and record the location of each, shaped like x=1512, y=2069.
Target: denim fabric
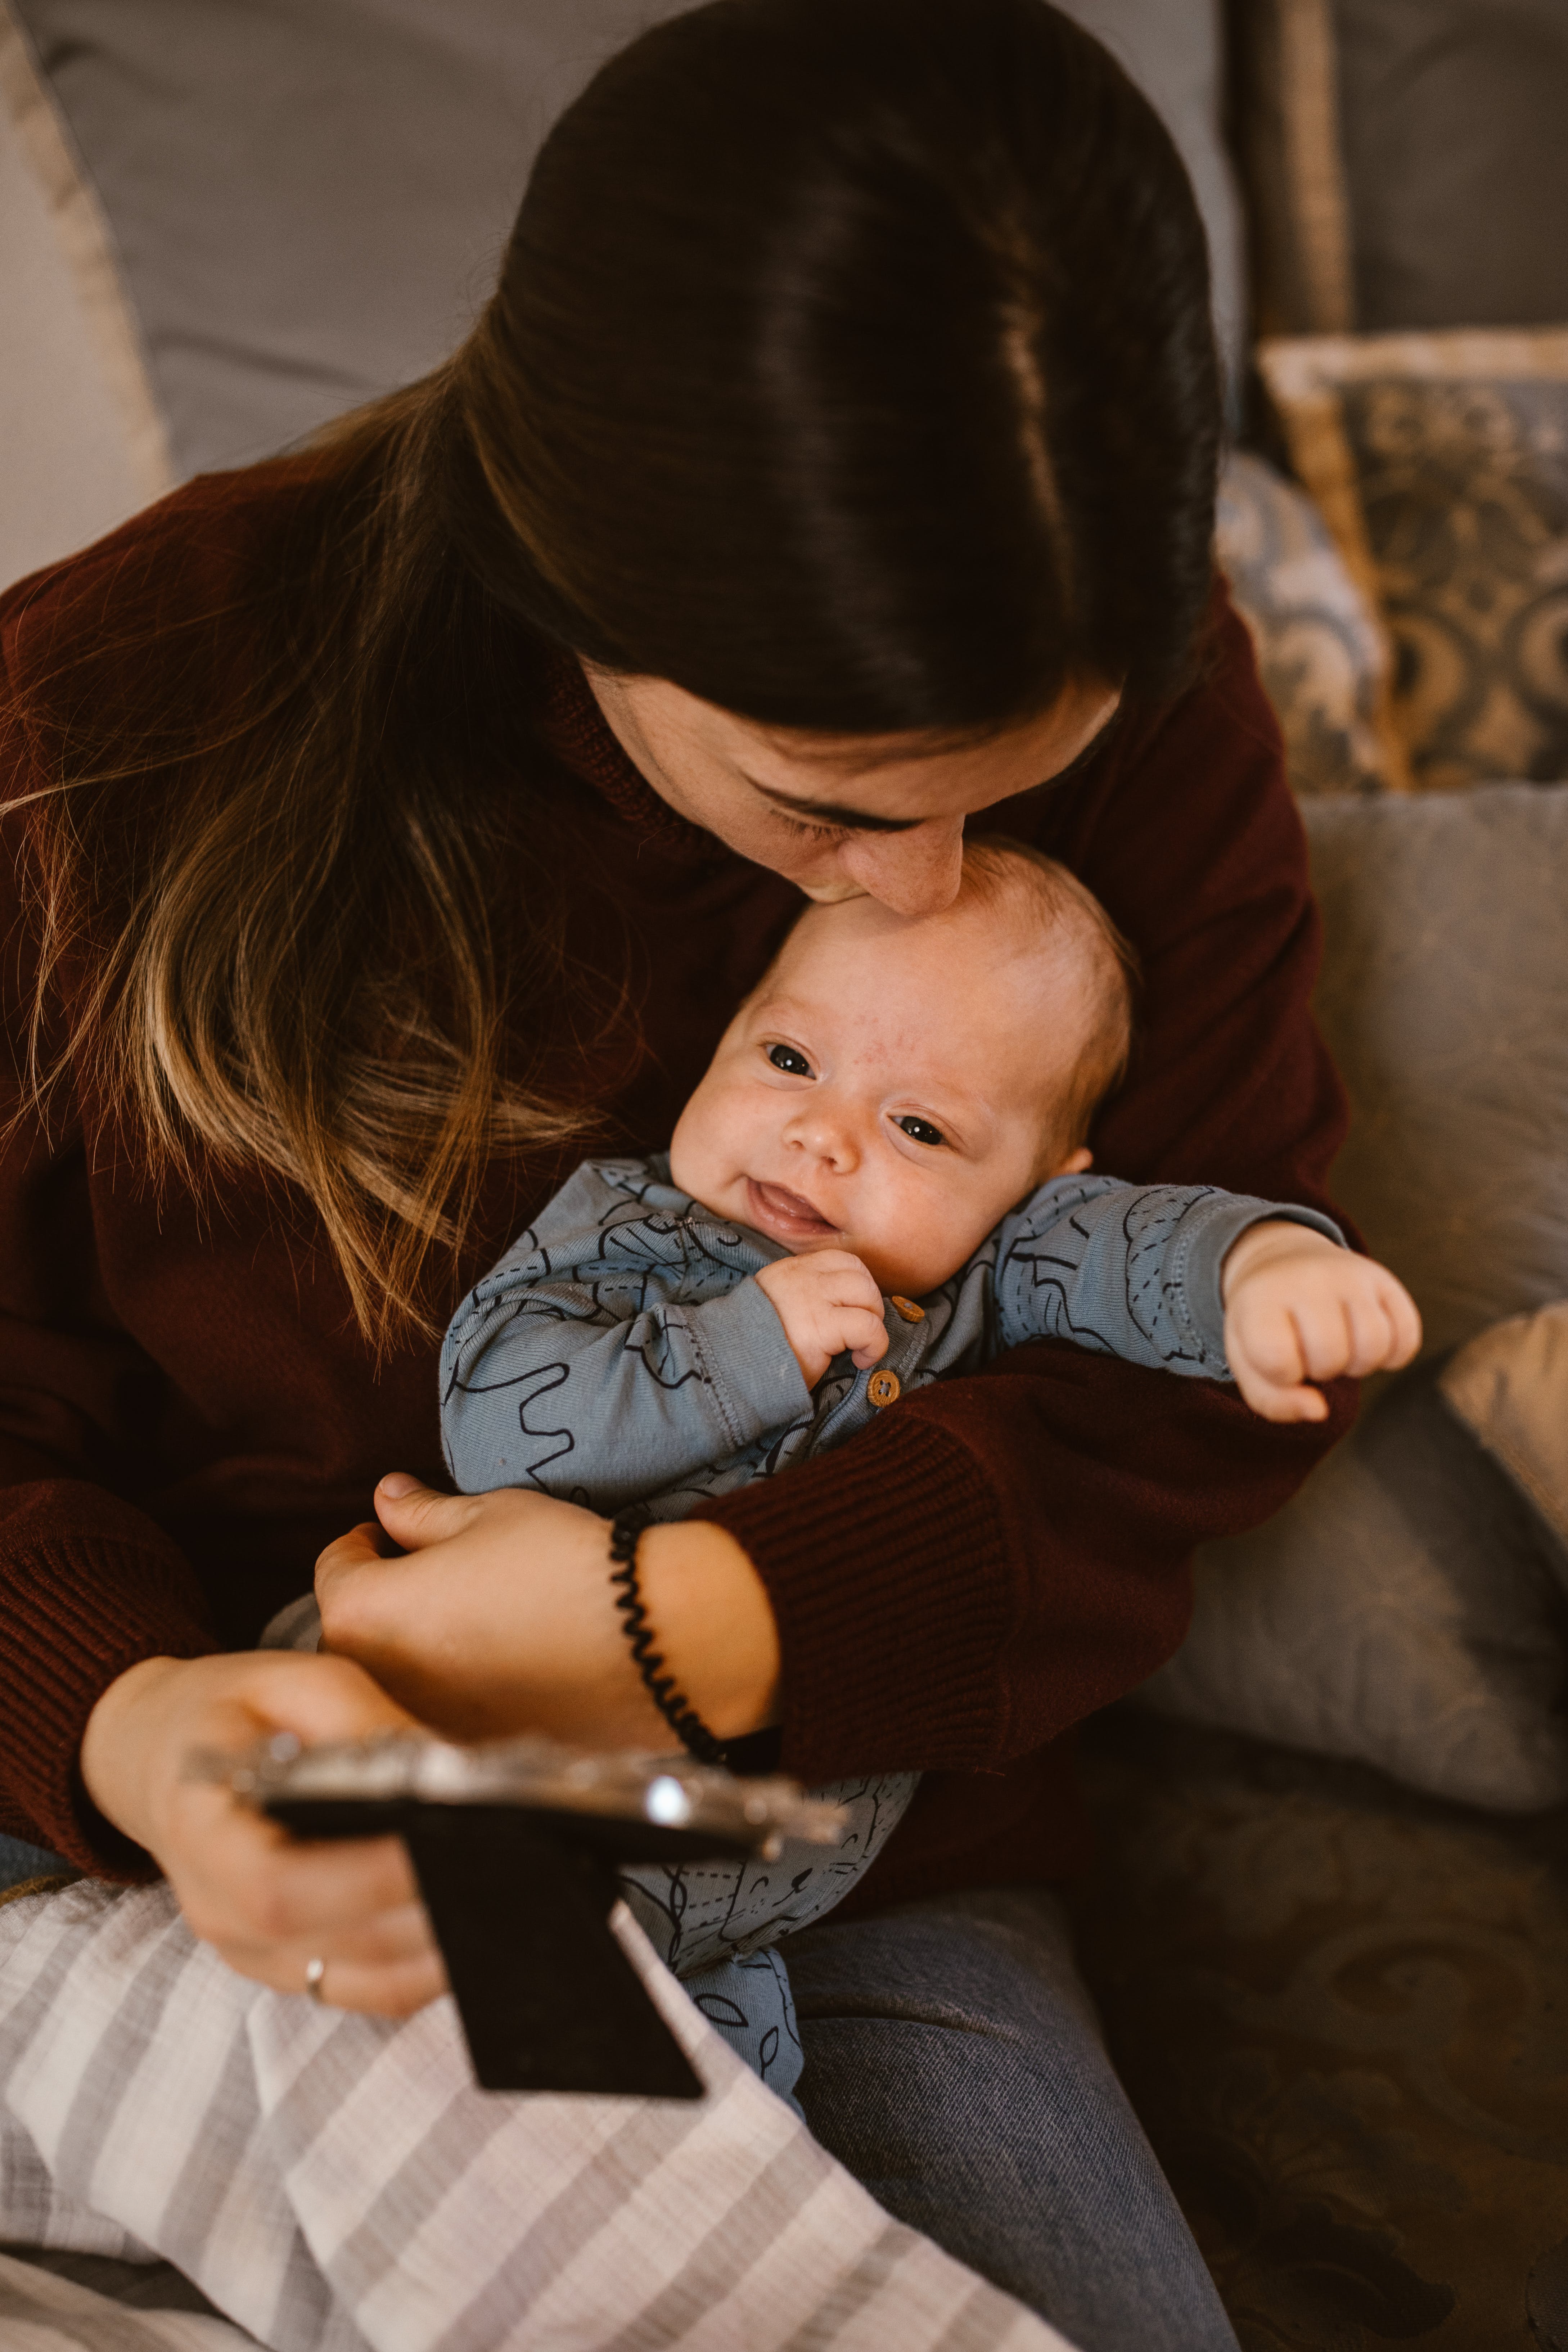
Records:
x=19, y=1862
x=954, y=2064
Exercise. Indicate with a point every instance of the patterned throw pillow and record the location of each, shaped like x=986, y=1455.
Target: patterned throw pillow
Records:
x=1440, y=464
x=1321, y=647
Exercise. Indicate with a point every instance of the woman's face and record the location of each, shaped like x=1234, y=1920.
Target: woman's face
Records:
x=841, y=816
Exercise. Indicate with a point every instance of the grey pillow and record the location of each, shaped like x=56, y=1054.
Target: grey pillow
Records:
x=1443, y=997
x=1407, y=1608
x=1402, y=1610
x=1405, y=161
x=310, y=198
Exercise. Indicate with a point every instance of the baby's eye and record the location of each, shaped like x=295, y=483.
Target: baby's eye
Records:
x=921, y=1130
x=788, y=1057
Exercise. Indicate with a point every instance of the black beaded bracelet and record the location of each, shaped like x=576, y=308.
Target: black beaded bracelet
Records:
x=676, y=1710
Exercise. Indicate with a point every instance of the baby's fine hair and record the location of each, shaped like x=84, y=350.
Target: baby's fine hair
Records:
x=1004, y=871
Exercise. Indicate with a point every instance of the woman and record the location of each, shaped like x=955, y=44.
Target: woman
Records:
x=393, y=823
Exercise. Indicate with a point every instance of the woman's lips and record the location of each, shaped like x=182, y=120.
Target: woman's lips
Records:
x=787, y=1215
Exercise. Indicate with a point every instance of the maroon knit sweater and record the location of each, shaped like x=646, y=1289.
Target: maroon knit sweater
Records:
x=187, y=1415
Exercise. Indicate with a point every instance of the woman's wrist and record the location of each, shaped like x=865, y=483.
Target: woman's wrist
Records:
x=498, y=1615
x=713, y=1624
x=114, y=1754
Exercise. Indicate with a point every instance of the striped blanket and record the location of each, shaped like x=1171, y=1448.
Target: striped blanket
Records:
x=337, y=2184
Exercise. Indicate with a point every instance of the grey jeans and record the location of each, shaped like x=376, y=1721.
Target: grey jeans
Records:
x=954, y=2064
x=19, y=1862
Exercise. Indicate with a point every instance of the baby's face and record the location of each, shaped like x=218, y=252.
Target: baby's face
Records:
x=888, y=1090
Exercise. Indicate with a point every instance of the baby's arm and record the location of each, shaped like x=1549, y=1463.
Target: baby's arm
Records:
x=1150, y=1272
x=608, y=1355
x=1298, y=1309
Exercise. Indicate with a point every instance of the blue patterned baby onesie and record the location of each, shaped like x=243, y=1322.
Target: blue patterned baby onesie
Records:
x=621, y=1352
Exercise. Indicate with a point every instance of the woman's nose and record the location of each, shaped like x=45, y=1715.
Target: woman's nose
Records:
x=915, y=873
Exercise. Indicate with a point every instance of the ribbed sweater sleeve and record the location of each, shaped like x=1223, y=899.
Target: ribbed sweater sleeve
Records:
x=91, y=1587
x=997, y=1557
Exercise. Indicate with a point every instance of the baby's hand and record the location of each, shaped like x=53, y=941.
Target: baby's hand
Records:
x=827, y=1302
x=1298, y=1309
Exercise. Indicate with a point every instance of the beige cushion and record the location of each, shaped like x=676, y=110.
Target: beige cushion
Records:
x=81, y=443
x=1511, y=1387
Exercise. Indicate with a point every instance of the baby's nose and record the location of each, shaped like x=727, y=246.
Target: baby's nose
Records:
x=824, y=1137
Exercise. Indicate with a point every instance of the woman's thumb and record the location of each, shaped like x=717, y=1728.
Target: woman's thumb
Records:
x=413, y=1515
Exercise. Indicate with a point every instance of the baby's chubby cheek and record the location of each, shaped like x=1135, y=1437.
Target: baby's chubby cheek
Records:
x=703, y=1158
x=913, y=1243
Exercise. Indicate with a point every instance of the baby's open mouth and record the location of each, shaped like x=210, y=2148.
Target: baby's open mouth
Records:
x=787, y=1215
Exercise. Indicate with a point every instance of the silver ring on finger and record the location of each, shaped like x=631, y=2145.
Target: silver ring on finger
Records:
x=315, y=1971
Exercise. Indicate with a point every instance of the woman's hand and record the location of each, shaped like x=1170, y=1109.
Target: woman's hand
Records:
x=501, y=1618
x=266, y=1902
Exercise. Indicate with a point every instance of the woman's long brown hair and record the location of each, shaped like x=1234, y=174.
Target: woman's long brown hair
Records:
x=851, y=366
x=276, y=927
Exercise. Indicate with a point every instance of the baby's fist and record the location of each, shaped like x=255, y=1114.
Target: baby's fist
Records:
x=1298, y=1309
x=828, y=1302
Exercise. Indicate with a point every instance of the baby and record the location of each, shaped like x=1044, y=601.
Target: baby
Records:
x=880, y=1181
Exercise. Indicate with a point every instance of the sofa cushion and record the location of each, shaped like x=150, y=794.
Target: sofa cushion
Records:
x=1443, y=997
x=1406, y=1610
x=311, y=197
x=81, y=441
x=1402, y=1610
x=1337, y=2008
x=1404, y=162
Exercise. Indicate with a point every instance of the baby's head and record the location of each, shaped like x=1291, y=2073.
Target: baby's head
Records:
x=893, y=1086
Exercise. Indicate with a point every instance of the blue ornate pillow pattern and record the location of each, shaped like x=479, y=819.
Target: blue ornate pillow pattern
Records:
x=1440, y=464
x=1323, y=650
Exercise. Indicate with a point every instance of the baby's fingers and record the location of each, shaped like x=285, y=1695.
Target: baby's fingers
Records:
x=1260, y=1334
x=1268, y=1362
x=1403, y=1318
x=1275, y=1400
x=1371, y=1326
x=1370, y=1339
x=865, y=1335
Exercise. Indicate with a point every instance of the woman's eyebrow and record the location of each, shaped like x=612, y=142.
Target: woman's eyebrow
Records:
x=832, y=813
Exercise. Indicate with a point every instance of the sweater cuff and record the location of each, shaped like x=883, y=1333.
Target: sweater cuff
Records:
x=81, y=1605
x=1221, y=1220
x=757, y=1385
x=841, y=1544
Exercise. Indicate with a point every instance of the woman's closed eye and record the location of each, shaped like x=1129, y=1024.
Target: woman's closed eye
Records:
x=791, y=1059
x=822, y=835
x=919, y=1130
